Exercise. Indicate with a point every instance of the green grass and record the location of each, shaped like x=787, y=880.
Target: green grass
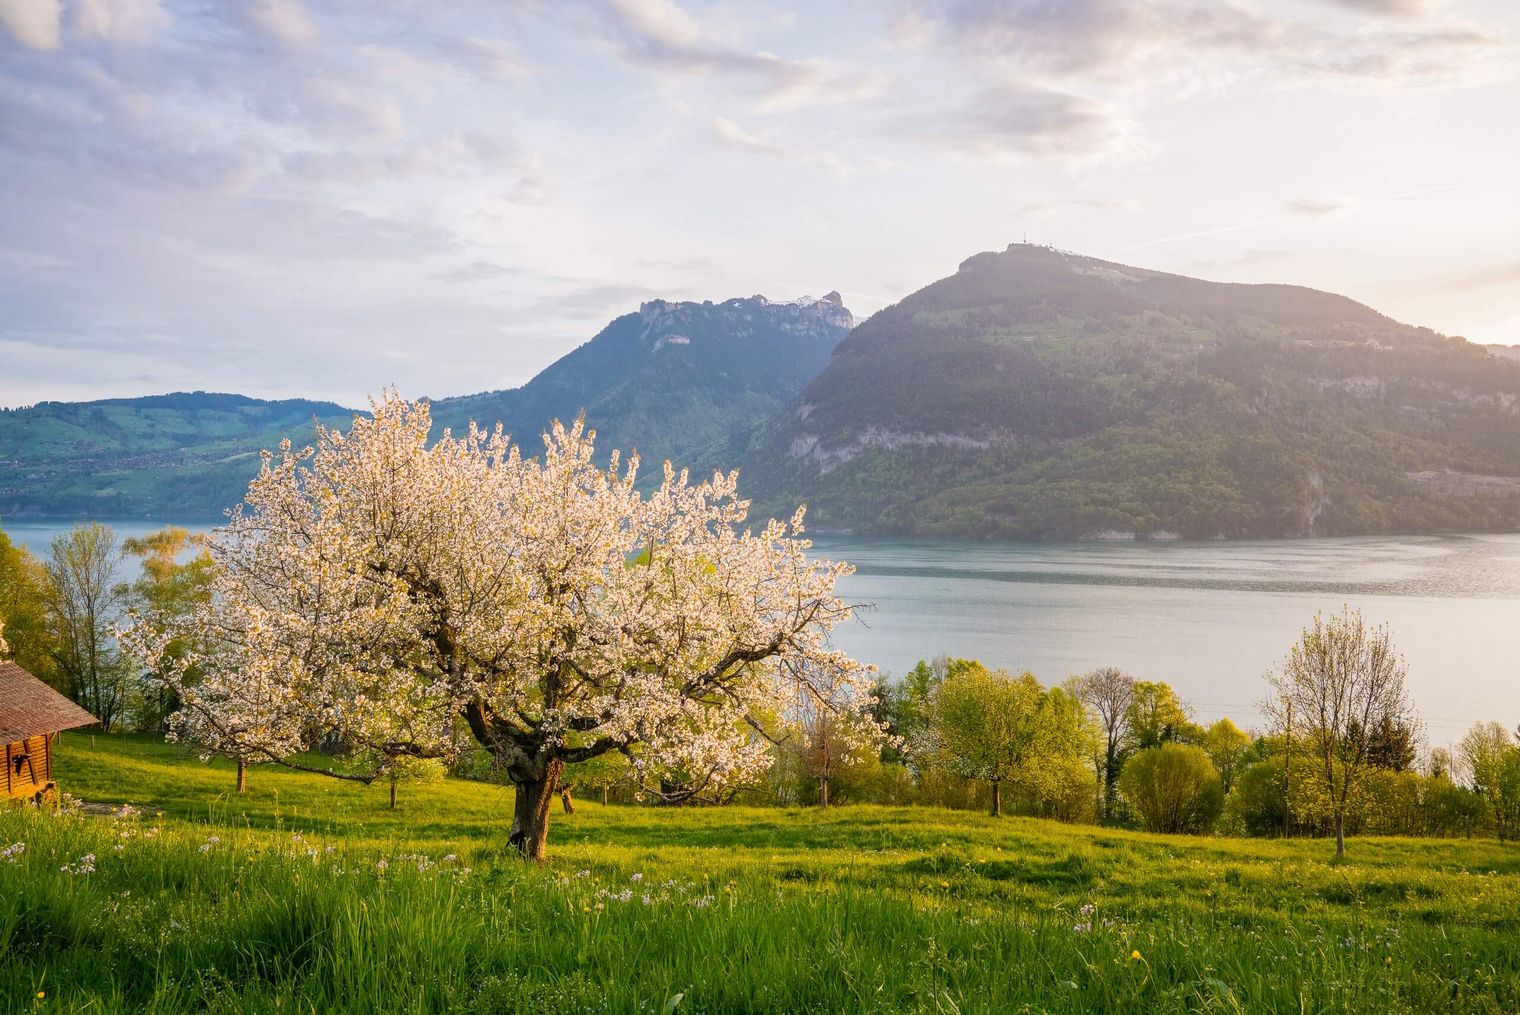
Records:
x=854, y=909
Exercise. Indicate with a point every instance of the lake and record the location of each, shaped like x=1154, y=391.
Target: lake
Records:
x=1209, y=618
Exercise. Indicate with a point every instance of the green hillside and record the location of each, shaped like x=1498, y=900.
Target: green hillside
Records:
x=186, y=456
x=1039, y=394
x=670, y=380
x=309, y=894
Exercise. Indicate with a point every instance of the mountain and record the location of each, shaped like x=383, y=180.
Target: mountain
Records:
x=1506, y=351
x=1041, y=394
x=668, y=381
x=183, y=456
x=674, y=378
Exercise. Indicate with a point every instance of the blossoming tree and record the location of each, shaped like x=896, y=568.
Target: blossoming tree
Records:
x=400, y=597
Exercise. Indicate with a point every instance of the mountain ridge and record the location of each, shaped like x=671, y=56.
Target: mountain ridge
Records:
x=1037, y=393
x=668, y=379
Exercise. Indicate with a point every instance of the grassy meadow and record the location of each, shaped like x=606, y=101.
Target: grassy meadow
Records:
x=309, y=895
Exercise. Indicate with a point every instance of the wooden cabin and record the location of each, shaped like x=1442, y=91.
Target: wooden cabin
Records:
x=31, y=716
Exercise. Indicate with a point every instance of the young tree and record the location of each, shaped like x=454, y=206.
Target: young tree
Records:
x=994, y=727
x=1229, y=748
x=1492, y=759
x=83, y=602
x=828, y=724
x=1156, y=716
x=1174, y=788
x=1391, y=744
x=1109, y=693
x=23, y=606
x=413, y=771
x=1342, y=677
x=387, y=592
x=166, y=595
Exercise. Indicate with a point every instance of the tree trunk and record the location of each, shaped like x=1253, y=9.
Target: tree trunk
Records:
x=241, y=772
x=393, y=796
x=564, y=798
x=997, y=799
x=604, y=794
x=1110, y=780
x=530, y=812
x=1340, y=836
x=823, y=792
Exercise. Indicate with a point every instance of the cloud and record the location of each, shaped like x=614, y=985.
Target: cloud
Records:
x=1505, y=274
x=478, y=271
x=1437, y=57
x=599, y=301
x=1086, y=36
x=1317, y=207
x=1393, y=8
x=661, y=35
x=1020, y=120
x=285, y=22
x=1141, y=41
x=733, y=136
x=131, y=22
x=479, y=56
x=1044, y=208
x=33, y=23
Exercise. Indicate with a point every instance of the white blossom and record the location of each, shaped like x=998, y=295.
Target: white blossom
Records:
x=388, y=593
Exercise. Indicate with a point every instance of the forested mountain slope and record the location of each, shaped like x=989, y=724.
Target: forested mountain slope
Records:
x=672, y=379
x=669, y=380
x=187, y=455
x=1041, y=394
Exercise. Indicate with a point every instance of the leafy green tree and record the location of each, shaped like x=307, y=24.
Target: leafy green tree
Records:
x=83, y=604
x=1390, y=744
x=23, y=608
x=1492, y=757
x=1156, y=716
x=1229, y=748
x=999, y=728
x=1343, y=676
x=1173, y=788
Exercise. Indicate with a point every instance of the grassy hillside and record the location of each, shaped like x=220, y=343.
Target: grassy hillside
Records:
x=185, y=456
x=307, y=894
x=1039, y=394
x=670, y=380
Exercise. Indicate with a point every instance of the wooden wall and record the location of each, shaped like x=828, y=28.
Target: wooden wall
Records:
x=28, y=766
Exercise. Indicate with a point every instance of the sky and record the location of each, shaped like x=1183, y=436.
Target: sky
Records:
x=293, y=198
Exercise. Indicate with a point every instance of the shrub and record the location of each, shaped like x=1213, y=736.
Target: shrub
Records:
x=1173, y=788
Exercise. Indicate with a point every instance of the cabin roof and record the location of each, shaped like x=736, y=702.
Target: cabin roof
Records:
x=30, y=708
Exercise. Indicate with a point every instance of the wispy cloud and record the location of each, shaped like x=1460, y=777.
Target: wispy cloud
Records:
x=1392, y=8
x=1138, y=41
x=662, y=35
x=1239, y=227
x=1019, y=120
x=1506, y=273
x=1046, y=208
x=733, y=136
x=1318, y=207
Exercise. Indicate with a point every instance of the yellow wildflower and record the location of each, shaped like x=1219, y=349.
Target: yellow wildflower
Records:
x=1135, y=954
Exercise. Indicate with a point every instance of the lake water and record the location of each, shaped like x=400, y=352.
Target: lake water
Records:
x=1209, y=618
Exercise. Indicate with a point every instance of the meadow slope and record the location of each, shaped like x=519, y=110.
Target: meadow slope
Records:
x=307, y=894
